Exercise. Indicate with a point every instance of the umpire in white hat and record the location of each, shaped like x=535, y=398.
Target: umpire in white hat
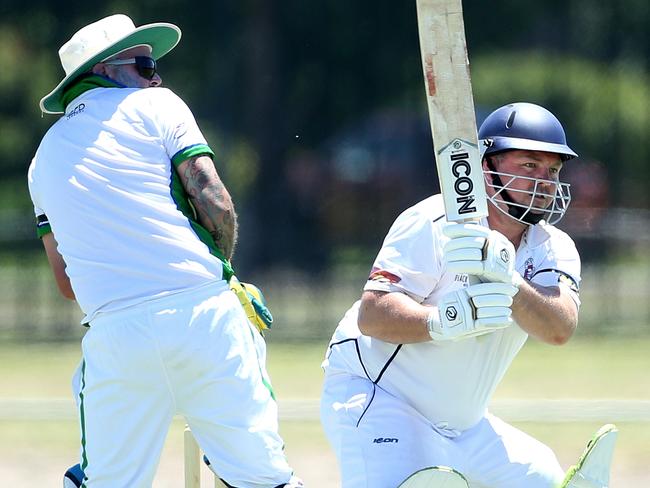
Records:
x=139, y=230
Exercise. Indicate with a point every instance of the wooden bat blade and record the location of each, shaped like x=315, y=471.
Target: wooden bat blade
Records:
x=451, y=108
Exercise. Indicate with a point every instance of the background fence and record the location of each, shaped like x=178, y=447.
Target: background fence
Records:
x=307, y=306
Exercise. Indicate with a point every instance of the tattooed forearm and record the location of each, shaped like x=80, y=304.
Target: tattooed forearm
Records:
x=211, y=201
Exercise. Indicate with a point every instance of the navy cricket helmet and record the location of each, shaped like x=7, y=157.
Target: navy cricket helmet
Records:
x=523, y=126
x=528, y=127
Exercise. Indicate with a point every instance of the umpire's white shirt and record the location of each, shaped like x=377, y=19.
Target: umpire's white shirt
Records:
x=450, y=383
x=103, y=176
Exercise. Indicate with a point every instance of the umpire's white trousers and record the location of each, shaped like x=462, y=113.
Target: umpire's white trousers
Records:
x=193, y=353
x=380, y=440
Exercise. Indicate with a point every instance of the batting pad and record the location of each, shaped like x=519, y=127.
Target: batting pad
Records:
x=435, y=477
x=592, y=470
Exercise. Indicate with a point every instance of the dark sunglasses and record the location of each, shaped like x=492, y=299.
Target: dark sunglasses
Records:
x=146, y=66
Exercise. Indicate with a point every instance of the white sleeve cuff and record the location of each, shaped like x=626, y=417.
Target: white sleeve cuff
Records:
x=433, y=324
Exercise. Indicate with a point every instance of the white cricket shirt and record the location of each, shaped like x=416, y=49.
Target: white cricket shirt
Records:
x=450, y=383
x=103, y=180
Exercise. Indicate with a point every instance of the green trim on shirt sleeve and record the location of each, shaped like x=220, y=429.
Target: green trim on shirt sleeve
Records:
x=190, y=152
x=42, y=230
x=43, y=226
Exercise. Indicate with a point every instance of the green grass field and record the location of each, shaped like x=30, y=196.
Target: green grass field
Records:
x=34, y=453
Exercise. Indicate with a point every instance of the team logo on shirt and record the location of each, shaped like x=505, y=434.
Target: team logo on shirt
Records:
x=76, y=111
x=529, y=269
x=383, y=276
x=180, y=130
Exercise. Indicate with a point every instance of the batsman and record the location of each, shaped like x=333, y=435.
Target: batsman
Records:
x=412, y=366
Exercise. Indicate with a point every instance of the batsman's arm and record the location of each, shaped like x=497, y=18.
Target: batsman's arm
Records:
x=548, y=314
x=393, y=317
x=211, y=201
x=58, y=266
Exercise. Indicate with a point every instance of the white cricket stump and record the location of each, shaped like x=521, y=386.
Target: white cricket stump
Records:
x=193, y=462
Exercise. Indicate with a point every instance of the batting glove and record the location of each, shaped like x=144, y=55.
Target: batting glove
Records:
x=472, y=311
x=478, y=251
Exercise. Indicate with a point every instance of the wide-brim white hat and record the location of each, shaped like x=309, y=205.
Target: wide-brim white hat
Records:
x=101, y=40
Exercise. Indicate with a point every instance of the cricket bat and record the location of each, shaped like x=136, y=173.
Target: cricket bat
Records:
x=451, y=108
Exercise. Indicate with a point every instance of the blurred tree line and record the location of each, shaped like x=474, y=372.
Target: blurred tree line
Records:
x=316, y=108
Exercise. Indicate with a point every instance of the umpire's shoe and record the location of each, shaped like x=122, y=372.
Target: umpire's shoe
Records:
x=73, y=477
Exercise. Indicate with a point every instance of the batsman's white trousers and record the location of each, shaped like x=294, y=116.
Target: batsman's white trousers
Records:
x=192, y=353
x=380, y=440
